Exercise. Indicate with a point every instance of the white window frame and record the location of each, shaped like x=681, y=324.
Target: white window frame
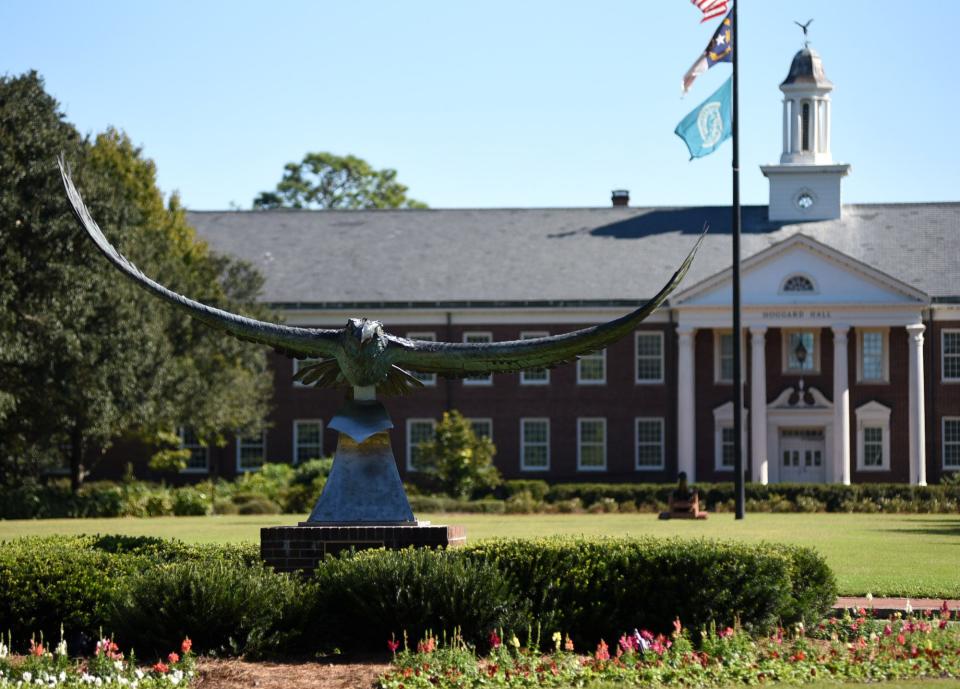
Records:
x=884, y=339
x=636, y=357
x=295, y=460
x=718, y=336
x=603, y=423
x=239, y=447
x=529, y=335
x=428, y=379
x=943, y=442
x=602, y=355
x=873, y=415
x=723, y=418
x=181, y=431
x=718, y=464
x=296, y=367
x=943, y=355
x=806, y=276
x=409, y=443
x=785, y=357
x=636, y=443
x=486, y=420
x=523, y=443
x=481, y=381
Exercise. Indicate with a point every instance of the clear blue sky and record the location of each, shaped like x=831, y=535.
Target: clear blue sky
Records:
x=491, y=103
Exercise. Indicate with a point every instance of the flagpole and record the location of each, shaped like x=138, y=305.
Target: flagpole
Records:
x=737, y=328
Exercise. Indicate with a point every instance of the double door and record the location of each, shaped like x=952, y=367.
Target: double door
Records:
x=802, y=455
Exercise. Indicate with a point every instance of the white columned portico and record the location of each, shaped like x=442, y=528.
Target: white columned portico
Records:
x=686, y=431
x=758, y=404
x=841, y=405
x=917, y=425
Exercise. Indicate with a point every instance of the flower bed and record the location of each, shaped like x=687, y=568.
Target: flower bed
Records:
x=855, y=647
x=108, y=667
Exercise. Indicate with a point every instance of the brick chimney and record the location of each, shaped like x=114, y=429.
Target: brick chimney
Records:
x=620, y=197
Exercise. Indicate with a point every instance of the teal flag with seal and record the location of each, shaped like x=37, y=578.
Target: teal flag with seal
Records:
x=709, y=124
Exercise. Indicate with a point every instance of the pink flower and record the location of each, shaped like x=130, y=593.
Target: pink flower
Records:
x=35, y=648
x=603, y=653
x=901, y=639
x=494, y=639
x=427, y=645
x=173, y=658
x=161, y=667
x=644, y=634
x=629, y=643
x=726, y=632
x=186, y=645
x=888, y=630
x=677, y=627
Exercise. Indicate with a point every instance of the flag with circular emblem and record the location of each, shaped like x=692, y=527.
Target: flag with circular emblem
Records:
x=709, y=124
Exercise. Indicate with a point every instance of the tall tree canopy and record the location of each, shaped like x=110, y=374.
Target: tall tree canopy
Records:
x=85, y=357
x=325, y=180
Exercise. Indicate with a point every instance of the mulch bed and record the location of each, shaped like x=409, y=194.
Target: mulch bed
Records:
x=239, y=674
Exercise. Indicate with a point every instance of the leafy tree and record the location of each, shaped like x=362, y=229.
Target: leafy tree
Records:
x=85, y=356
x=325, y=180
x=456, y=459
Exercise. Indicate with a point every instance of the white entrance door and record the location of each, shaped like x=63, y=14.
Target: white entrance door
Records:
x=802, y=452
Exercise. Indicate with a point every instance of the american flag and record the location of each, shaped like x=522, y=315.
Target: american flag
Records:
x=711, y=8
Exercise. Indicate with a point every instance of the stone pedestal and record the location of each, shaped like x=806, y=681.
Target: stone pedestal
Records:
x=292, y=548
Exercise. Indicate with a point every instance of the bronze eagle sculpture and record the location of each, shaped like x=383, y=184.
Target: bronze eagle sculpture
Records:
x=362, y=354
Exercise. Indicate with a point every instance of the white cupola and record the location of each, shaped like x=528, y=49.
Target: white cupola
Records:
x=806, y=183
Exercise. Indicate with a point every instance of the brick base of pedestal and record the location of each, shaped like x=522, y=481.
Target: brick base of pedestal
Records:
x=291, y=548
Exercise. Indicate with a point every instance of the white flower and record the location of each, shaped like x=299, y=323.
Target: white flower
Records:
x=908, y=608
x=869, y=598
x=118, y=664
x=61, y=649
x=4, y=651
x=62, y=676
x=27, y=677
x=139, y=673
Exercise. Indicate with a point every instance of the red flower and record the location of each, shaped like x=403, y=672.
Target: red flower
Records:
x=726, y=632
x=186, y=645
x=161, y=667
x=393, y=644
x=173, y=658
x=35, y=648
x=888, y=630
x=603, y=653
x=427, y=645
x=494, y=639
x=901, y=639
x=798, y=656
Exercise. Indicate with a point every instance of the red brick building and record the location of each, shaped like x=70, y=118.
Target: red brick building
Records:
x=851, y=325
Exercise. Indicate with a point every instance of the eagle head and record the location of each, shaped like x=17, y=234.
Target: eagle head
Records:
x=364, y=330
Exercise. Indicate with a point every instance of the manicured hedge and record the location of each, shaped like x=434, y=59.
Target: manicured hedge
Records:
x=602, y=587
x=151, y=592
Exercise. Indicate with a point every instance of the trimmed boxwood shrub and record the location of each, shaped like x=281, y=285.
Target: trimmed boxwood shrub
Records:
x=361, y=599
x=600, y=588
x=222, y=607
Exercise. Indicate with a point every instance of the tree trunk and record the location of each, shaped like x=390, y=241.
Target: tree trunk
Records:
x=76, y=460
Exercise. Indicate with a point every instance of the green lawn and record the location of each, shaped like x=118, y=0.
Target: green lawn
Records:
x=909, y=555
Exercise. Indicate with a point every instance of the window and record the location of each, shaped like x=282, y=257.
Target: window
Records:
x=199, y=460
x=872, y=360
x=307, y=440
x=951, y=443
x=798, y=283
x=649, y=357
x=540, y=376
x=873, y=437
x=482, y=428
x=425, y=378
x=299, y=364
x=591, y=444
x=723, y=356
x=726, y=457
x=418, y=431
x=805, y=127
x=478, y=338
x=535, y=444
x=251, y=452
x=950, y=339
x=592, y=368
x=649, y=444
x=800, y=351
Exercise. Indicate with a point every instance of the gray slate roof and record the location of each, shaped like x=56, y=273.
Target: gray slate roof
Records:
x=551, y=255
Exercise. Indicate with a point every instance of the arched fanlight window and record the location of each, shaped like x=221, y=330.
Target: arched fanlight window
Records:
x=798, y=283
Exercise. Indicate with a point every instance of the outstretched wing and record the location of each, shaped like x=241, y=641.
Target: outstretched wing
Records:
x=456, y=359
x=297, y=342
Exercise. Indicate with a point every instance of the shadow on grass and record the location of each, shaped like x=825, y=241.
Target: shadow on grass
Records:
x=932, y=527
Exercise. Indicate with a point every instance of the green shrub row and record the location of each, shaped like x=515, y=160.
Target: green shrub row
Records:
x=152, y=592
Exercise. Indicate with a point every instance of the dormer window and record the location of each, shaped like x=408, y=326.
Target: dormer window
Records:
x=798, y=283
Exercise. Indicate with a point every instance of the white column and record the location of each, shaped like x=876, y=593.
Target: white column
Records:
x=841, y=406
x=917, y=425
x=686, y=430
x=814, y=125
x=786, y=125
x=826, y=126
x=758, y=405
x=797, y=116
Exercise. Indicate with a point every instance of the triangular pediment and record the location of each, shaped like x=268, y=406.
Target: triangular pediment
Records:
x=824, y=275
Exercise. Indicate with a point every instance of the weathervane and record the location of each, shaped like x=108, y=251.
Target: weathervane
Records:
x=364, y=485
x=805, y=28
